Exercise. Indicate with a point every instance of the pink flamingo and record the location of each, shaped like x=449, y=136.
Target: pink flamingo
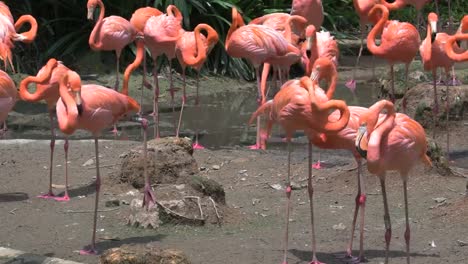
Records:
x=399, y=41
x=259, y=44
x=138, y=21
x=461, y=35
x=47, y=89
x=433, y=56
x=192, y=49
x=397, y=143
x=418, y=4
x=93, y=108
x=8, y=95
x=297, y=107
x=318, y=45
x=312, y=10
x=110, y=33
x=161, y=34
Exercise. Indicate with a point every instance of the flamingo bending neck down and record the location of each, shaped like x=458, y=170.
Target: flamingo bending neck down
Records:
x=396, y=143
x=47, y=89
x=93, y=108
x=110, y=33
x=296, y=107
x=192, y=49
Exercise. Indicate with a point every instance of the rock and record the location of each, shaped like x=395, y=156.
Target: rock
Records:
x=112, y=203
x=437, y=155
x=215, y=167
x=88, y=163
x=143, y=254
x=209, y=187
x=440, y=199
x=139, y=217
x=170, y=161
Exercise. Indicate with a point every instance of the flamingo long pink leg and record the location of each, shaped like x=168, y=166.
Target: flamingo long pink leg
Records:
x=148, y=198
x=447, y=111
x=91, y=249
x=311, y=203
x=172, y=93
x=351, y=84
x=407, y=231
x=435, y=110
x=50, y=194
x=392, y=99
x=65, y=197
x=155, y=113
x=259, y=101
x=197, y=145
x=388, y=225
x=184, y=97
x=117, y=54
x=288, y=205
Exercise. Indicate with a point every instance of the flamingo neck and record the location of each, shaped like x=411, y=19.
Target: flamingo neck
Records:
x=172, y=10
x=377, y=30
x=237, y=22
x=449, y=48
x=40, y=78
x=332, y=87
x=94, y=41
x=29, y=36
x=70, y=120
x=140, y=53
x=194, y=59
x=102, y=11
x=397, y=4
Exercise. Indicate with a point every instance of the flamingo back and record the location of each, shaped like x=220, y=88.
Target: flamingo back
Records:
x=186, y=46
x=116, y=33
x=8, y=95
x=438, y=56
x=400, y=40
x=161, y=34
x=327, y=46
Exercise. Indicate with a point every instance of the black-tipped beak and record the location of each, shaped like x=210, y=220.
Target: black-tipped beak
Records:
x=79, y=107
x=361, y=146
x=308, y=53
x=433, y=36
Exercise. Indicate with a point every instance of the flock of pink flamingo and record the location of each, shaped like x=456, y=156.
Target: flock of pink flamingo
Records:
x=386, y=139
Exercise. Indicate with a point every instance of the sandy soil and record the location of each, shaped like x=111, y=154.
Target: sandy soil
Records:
x=254, y=228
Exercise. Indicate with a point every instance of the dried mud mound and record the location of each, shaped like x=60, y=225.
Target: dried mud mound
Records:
x=182, y=197
x=170, y=162
x=143, y=254
x=420, y=103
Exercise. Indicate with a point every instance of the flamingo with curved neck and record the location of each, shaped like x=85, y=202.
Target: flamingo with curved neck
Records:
x=397, y=143
x=192, y=49
x=399, y=41
x=461, y=35
x=47, y=89
x=110, y=33
x=93, y=108
x=28, y=36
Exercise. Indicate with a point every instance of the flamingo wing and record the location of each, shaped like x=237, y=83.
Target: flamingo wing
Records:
x=118, y=28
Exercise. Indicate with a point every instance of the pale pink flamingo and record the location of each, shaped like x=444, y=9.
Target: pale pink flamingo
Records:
x=93, y=107
x=399, y=41
x=312, y=10
x=8, y=96
x=192, y=49
x=110, y=33
x=161, y=34
x=318, y=45
x=297, y=107
x=47, y=89
x=395, y=144
x=433, y=56
x=258, y=44
x=138, y=20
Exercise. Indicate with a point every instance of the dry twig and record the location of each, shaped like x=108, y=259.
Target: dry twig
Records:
x=198, y=203
x=216, y=210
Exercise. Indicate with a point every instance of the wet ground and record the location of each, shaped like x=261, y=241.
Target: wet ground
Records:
x=254, y=230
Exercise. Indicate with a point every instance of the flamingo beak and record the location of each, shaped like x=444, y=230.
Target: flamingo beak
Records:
x=90, y=13
x=79, y=102
x=314, y=75
x=361, y=141
x=433, y=30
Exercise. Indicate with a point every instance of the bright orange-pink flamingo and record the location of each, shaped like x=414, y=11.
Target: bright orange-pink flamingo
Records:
x=312, y=10
x=192, y=49
x=93, y=107
x=161, y=34
x=296, y=107
x=433, y=56
x=110, y=33
x=47, y=89
x=9, y=32
x=461, y=35
x=8, y=97
x=258, y=44
x=399, y=41
x=397, y=143
x=138, y=20
x=398, y=4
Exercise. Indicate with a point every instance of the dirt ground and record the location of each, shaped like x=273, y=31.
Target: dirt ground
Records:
x=254, y=227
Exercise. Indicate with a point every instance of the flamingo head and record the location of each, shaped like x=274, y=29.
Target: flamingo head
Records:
x=374, y=15
x=323, y=68
x=91, y=6
x=73, y=83
x=432, y=18
x=310, y=34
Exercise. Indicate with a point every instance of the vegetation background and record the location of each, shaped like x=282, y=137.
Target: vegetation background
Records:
x=64, y=30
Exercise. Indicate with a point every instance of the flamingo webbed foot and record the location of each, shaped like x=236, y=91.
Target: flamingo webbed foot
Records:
x=147, y=85
x=255, y=146
x=149, y=197
x=49, y=195
x=316, y=262
x=350, y=259
x=88, y=251
x=317, y=165
x=65, y=198
x=197, y=145
x=351, y=85
x=453, y=82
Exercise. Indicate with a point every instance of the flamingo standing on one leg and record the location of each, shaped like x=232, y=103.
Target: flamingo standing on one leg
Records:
x=433, y=56
x=297, y=107
x=192, y=49
x=47, y=89
x=8, y=95
x=161, y=34
x=399, y=41
x=259, y=44
x=93, y=108
x=397, y=143
x=110, y=33
x=138, y=20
